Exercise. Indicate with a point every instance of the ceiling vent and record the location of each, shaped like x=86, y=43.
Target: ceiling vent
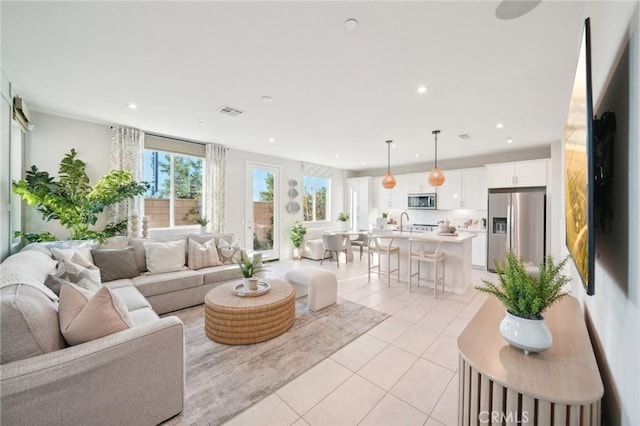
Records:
x=230, y=111
x=464, y=136
x=21, y=114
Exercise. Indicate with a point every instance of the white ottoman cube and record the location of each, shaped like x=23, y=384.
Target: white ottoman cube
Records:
x=319, y=284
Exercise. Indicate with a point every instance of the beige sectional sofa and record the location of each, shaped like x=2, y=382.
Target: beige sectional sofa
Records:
x=134, y=376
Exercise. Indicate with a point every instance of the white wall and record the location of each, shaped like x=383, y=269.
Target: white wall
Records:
x=45, y=146
x=289, y=169
x=612, y=313
x=53, y=136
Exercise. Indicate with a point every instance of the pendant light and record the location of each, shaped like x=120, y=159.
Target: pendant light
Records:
x=389, y=181
x=436, y=177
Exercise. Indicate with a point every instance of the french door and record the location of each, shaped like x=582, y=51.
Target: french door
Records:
x=262, y=216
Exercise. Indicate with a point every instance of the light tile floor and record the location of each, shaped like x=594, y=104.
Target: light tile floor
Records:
x=402, y=372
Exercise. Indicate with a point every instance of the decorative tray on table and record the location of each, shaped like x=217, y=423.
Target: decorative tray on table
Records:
x=242, y=291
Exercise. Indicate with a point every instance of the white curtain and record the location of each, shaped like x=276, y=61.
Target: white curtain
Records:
x=215, y=188
x=127, y=150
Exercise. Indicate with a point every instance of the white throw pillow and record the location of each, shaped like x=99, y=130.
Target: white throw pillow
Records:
x=65, y=254
x=80, y=271
x=203, y=255
x=164, y=257
x=229, y=253
x=86, y=316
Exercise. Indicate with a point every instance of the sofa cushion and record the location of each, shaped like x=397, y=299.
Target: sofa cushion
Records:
x=38, y=264
x=131, y=297
x=80, y=271
x=83, y=250
x=117, y=242
x=29, y=323
x=139, y=252
x=216, y=236
x=218, y=274
x=115, y=264
x=203, y=255
x=150, y=285
x=143, y=316
x=164, y=257
x=86, y=316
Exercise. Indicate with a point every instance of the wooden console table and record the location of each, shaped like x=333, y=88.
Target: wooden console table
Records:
x=499, y=384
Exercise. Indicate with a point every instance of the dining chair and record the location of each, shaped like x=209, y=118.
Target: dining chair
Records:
x=335, y=243
x=362, y=241
x=419, y=251
x=383, y=246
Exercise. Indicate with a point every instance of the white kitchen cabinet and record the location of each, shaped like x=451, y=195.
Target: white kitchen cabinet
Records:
x=520, y=174
x=360, y=202
x=463, y=189
x=382, y=195
x=418, y=183
x=474, y=189
x=479, y=251
x=450, y=191
x=399, y=192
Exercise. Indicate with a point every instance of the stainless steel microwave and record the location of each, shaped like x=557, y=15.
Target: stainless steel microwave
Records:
x=422, y=201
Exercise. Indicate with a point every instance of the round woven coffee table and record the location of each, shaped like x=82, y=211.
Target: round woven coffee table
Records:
x=235, y=320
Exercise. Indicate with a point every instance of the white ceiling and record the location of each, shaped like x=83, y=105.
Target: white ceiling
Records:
x=336, y=92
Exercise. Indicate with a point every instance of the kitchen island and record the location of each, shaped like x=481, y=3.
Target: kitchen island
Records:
x=457, y=250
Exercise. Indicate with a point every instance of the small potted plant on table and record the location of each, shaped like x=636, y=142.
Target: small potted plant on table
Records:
x=249, y=266
x=343, y=218
x=526, y=294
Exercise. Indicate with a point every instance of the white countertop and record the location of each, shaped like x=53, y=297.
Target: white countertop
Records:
x=430, y=236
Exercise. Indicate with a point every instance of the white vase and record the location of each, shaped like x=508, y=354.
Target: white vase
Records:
x=528, y=335
x=203, y=229
x=297, y=253
x=343, y=226
x=251, y=283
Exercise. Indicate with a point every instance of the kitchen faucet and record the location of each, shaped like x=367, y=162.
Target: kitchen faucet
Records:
x=403, y=214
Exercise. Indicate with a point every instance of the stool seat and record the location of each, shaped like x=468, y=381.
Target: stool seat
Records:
x=383, y=245
x=320, y=285
x=418, y=252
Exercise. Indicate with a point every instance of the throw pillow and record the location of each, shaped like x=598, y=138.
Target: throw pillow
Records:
x=164, y=257
x=55, y=283
x=67, y=253
x=85, y=316
x=203, y=255
x=80, y=272
x=228, y=253
x=115, y=264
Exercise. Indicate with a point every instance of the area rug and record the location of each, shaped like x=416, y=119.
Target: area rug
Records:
x=223, y=380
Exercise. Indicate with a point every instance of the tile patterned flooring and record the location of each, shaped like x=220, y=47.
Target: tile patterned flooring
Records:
x=402, y=372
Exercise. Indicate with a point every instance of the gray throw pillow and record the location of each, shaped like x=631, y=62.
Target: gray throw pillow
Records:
x=115, y=264
x=55, y=283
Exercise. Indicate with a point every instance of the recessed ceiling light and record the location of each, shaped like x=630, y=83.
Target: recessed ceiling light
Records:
x=201, y=123
x=422, y=89
x=337, y=155
x=509, y=140
x=393, y=145
x=266, y=99
x=272, y=140
x=417, y=155
x=351, y=24
x=131, y=105
x=511, y=9
x=499, y=126
x=364, y=162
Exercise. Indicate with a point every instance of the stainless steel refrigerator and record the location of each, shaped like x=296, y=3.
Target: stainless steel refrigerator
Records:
x=516, y=223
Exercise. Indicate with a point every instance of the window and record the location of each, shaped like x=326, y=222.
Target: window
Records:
x=175, y=194
x=315, y=198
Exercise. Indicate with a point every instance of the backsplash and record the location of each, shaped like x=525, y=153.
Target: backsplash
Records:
x=460, y=218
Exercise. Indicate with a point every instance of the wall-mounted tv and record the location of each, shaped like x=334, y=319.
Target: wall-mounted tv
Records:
x=579, y=168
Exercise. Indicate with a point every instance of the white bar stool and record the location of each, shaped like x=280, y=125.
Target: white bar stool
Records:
x=418, y=252
x=382, y=245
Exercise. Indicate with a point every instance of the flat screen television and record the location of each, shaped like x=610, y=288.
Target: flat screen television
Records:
x=579, y=169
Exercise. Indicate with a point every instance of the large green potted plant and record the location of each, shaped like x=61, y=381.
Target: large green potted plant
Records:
x=526, y=294
x=296, y=235
x=71, y=200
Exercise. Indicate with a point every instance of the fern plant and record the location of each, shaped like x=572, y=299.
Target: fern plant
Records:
x=73, y=201
x=523, y=294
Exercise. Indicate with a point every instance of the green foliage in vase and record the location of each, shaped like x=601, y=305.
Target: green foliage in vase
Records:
x=343, y=217
x=297, y=233
x=73, y=201
x=524, y=294
x=249, y=266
